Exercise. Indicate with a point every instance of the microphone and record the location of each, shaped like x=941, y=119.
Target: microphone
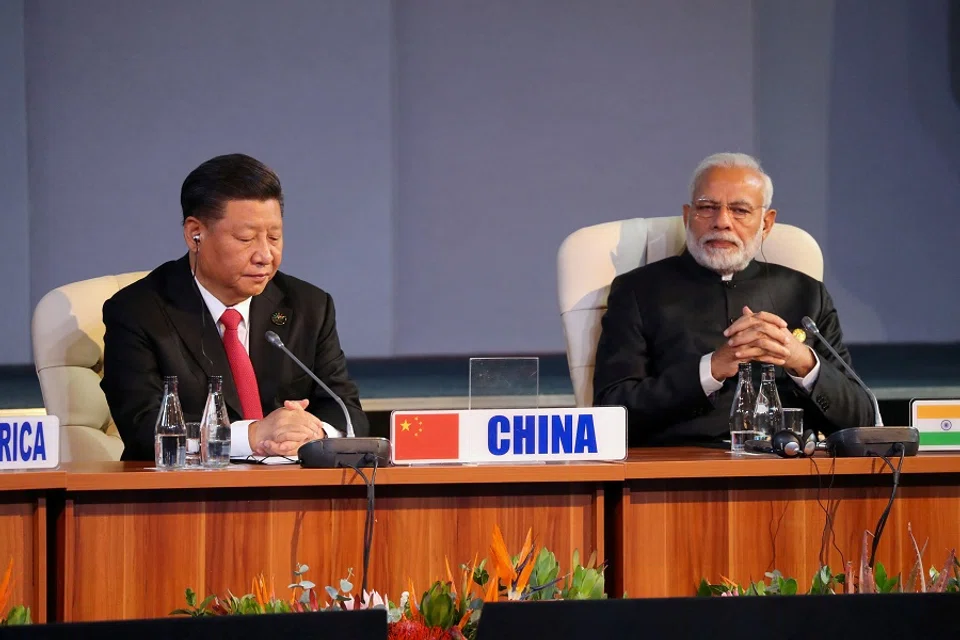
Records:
x=811, y=327
x=275, y=340
x=336, y=452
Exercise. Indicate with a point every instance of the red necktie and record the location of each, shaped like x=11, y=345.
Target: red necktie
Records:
x=240, y=366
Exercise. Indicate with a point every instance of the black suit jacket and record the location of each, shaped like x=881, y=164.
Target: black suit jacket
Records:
x=663, y=317
x=159, y=326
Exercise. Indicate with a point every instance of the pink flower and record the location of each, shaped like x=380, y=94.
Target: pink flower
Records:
x=371, y=599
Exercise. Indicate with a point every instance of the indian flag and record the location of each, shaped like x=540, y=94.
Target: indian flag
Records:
x=938, y=422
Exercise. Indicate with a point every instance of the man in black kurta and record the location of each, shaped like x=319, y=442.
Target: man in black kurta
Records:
x=675, y=330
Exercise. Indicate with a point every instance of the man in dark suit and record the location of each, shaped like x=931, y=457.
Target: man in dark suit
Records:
x=206, y=314
x=676, y=330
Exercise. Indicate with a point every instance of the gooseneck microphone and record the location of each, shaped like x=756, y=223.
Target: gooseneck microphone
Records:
x=811, y=327
x=350, y=452
x=275, y=340
x=326, y=453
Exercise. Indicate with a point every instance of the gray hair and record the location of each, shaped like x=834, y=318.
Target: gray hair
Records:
x=733, y=161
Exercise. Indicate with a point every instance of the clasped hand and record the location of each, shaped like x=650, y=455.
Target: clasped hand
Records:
x=283, y=431
x=760, y=337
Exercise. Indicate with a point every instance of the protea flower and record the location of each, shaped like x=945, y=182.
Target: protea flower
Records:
x=370, y=600
x=415, y=630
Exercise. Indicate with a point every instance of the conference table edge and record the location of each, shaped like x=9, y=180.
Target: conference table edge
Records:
x=31, y=479
x=677, y=464
x=135, y=476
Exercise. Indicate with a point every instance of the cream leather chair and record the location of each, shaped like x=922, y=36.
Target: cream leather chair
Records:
x=68, y=354
x=590, y=258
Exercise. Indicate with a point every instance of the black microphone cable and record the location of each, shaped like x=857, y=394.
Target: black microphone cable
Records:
x=881, y=523
x=368, y=520
x=828, y=536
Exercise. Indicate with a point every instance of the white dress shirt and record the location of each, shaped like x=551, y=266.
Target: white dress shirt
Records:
x=240, y=430
x=712, y=385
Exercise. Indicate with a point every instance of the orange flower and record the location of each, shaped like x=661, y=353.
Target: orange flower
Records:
x=259, y=589
x=468, y=586
x=525, y=572
x=464, y=619
x=492, y=589
x=449, y=574
x=517, y=576
x=500, y=557
x=414, y=612
x=6, y=586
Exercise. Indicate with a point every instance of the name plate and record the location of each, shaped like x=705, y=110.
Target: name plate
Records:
x=938, y=422
x=29, y=442
x=509, y=436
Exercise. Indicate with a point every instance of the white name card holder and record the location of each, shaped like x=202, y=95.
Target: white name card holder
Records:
x=509, y=436
x=29, y=442
x=938, y=422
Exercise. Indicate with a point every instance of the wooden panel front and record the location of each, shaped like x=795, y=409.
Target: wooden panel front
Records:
x=23, y=530
x=131, y=554
x=673, y=533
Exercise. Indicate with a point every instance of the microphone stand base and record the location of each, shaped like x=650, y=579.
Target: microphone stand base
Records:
x=333, y=453
x=861, y=442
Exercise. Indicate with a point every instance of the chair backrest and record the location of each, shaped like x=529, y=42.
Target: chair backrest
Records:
x=590, y=258
x=68, y=350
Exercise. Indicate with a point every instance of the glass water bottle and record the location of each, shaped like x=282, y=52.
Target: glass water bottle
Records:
x=742, y=426
x=170, y=432
x=768, y=415
x=215, y=427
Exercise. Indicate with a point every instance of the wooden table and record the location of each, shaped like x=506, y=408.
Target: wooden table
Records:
x=129, y=540
x=712, y=515
x=132, y=540
x=23, y=536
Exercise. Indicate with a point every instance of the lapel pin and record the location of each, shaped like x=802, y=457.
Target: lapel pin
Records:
x=800, y=334
x=279, y=319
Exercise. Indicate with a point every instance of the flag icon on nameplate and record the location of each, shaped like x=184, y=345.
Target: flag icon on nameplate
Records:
x=426, y=436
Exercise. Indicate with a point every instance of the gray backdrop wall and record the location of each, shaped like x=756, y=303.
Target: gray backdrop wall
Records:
x=435, y=153
x=14, y=207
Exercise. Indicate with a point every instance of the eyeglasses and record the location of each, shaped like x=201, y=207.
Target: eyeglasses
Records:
x=709, y=209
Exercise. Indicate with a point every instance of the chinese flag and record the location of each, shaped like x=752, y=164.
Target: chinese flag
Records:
x=430, y=436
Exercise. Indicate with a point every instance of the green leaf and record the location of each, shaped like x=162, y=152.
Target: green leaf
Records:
x=817, y=586
x=788, y=587
x=191, y=597
x=879, y=574
x=586, y=586
x=480, y=575
x=19, y=616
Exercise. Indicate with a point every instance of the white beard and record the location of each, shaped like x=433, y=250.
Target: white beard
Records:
x=724, y=261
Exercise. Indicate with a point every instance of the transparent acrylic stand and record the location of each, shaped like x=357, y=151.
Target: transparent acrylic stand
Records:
x=504, y=383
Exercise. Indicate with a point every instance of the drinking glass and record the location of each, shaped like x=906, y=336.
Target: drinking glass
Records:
x=793, y=421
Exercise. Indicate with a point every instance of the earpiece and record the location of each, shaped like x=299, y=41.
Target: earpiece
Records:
x=196, y=240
